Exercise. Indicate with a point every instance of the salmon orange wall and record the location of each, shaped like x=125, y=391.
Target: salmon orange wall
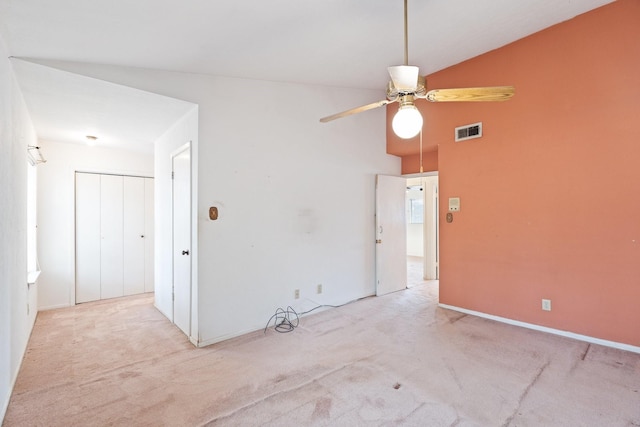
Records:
x=550, y=195
x=411, y=163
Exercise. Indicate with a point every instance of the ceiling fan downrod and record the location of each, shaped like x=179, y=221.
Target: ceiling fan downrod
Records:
x=406, y=36
x=407, y=85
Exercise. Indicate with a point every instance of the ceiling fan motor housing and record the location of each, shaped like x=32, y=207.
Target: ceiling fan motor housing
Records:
x=404, y=77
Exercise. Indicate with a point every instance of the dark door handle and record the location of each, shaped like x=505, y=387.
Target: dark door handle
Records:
x=185, y=252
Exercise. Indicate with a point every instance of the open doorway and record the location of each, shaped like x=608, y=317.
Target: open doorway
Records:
x=421, y=205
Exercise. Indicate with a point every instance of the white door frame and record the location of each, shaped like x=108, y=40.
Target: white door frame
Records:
x=431, y=229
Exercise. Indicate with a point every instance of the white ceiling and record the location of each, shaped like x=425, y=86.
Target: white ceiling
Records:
x=67, y=107
x=344, y=43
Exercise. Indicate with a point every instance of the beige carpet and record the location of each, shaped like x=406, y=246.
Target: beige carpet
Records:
x=392, y=360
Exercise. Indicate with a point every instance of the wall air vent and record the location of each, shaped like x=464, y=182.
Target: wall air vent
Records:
x=469, y=132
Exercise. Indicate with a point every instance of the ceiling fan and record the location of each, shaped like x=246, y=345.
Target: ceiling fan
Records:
x=407, y=85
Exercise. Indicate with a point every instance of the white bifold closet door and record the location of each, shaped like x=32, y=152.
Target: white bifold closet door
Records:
x=148, y=235
x=87, y=237
x=114, y=229
x=111, y=237
x=134, y=250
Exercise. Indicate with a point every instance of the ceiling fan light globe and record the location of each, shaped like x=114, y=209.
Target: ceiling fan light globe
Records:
x=407, y=122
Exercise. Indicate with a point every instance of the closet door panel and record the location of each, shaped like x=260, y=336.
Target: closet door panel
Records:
x=87, y=237
x=111, y=235
x=149, y=240
x=134, y=235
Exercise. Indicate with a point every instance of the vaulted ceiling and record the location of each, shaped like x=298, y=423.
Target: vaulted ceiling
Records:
x=343, y=43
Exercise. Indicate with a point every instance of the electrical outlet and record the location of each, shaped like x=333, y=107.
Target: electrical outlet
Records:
x=319, y=288
x=546, y=304
x=296, y=293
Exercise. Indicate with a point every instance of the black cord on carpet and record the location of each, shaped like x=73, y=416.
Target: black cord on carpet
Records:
x=284, y=322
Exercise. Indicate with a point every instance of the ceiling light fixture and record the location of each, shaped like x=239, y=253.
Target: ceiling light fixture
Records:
x=407, y=85
x=407, y=122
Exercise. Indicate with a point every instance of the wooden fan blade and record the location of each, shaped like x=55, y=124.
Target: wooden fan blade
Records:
x=356, y=110
x=495, y=93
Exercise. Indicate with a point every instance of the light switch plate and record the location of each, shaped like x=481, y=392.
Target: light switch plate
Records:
x=454, y=204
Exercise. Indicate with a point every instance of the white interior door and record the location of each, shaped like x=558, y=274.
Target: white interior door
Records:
x=133, y=234
x=111, y=237
x=87, y=237
x=431, y=230
x=182, y=240
x=391, y=234
x=149, y=240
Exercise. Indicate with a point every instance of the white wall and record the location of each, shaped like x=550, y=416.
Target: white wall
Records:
x=182, y=132
x=296, y=197
x=296, y=201
x=56, y=209
x=17, y=300
x=415, y=231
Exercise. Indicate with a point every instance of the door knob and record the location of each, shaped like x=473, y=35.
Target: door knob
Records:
x=185, y=252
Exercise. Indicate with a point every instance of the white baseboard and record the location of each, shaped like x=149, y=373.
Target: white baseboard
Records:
x=223, y=338
x=319, y=308
x=13, y=376
x=5, y=405
x=167, y=315
x=53, y=307
x=586, y=338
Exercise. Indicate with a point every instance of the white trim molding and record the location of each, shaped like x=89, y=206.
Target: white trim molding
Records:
x=586, y=338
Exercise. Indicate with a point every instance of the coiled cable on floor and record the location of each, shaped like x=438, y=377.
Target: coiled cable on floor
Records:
x=284, y=320
x=285, y=323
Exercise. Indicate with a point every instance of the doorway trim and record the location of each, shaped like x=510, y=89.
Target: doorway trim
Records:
x=192, y=244
x=431, y=229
